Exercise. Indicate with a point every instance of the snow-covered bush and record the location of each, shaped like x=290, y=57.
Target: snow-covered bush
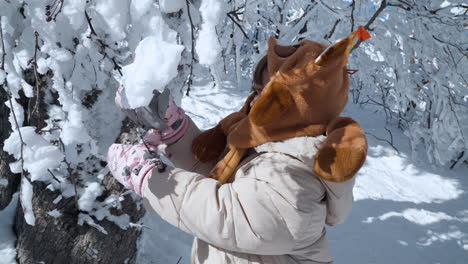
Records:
x=69, y=56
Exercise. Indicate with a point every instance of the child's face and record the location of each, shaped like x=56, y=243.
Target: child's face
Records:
x=259, y=88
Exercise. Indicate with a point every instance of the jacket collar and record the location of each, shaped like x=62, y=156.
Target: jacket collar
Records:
x=302, y=148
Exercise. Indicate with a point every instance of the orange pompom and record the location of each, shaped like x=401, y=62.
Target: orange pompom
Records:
x=363, y=34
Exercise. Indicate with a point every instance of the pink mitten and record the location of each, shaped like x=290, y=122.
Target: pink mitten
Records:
x=130, y=164
x=162, y=116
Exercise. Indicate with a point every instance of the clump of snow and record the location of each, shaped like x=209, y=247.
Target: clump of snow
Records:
x=38, y=154
x=19, y=113
x=84, y=218
x=207, y=46
x=26, y=201
x=171, y=6
x=115, y=14
x=87, y=199
x=73, y=130
x=155, y=65
x=55, y=213
x=139, y=7
x=57, y=200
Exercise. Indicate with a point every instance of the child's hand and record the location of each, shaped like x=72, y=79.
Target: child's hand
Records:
x=162, y=116
x=131, y=164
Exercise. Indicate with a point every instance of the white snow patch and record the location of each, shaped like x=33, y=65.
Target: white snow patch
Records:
x=115, y=14
x=171, y=6
x=55, y=213
x=417, y=216
x=38, y=154
x=434, y=237
x=26, y=201
x=445, y=4
x=138, y=8
x=84, y=218
x=155, y=65
x=391, y=177
x=207, y=46
x=57, y=200
x=88, y=198
x=74, y=11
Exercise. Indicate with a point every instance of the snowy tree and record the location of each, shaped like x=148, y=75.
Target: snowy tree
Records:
x=62, y=61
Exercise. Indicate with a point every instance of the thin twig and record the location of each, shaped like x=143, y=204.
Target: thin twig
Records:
x=382, y=7
x=231, y=17
x=353, y=8
x=2, y=66
x=53, y=176
x=22, y=144
x=332, y=31
x=88, y=19
x=192, y=27
x=71, y=175
x=33, y=63
x=385, y=140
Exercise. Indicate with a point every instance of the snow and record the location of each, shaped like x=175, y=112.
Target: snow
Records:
x=7, y=236
x=115, y=14
x=84, y=218
x=54, y=213
x=138, y=8
x=87, y=199
x=26, y=195
x=150, y=72
x=207, y=45
x=38, y=154
x=171, y=6
x=74, y=11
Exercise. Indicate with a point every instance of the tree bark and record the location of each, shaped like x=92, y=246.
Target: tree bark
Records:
x=9, y=181
x=62, y=240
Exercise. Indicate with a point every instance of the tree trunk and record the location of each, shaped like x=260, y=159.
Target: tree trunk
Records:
x=8, y=181
x=62, y=240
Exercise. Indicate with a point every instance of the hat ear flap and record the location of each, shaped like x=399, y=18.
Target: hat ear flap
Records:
x=273, y=102
x=344, y=151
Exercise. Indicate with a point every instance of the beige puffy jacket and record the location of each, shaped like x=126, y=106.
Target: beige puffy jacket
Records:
x=274, y=210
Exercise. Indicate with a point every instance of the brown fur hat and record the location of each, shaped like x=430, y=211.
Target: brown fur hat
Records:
x=304, y=97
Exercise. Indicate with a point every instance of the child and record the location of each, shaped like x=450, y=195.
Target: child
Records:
x=289, y=167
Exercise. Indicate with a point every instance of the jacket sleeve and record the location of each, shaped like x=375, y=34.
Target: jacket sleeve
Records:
x=339, y=200
x=181, y=156
x=239, y=216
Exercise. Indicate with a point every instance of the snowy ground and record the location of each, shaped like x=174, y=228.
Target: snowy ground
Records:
x=405, y=210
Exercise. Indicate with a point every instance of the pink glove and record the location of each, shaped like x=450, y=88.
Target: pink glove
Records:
x=162, y=118
x=131, y=164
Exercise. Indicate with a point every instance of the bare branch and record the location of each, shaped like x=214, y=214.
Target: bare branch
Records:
x=33, y=63
x=2, y=66
x=231, y=17
x=192, y=27
x=88, y=19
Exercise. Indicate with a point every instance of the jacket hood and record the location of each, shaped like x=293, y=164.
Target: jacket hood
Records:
x=304, y=149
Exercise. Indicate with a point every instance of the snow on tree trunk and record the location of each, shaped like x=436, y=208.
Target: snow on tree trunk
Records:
x=9, y=181
x=60, y=239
